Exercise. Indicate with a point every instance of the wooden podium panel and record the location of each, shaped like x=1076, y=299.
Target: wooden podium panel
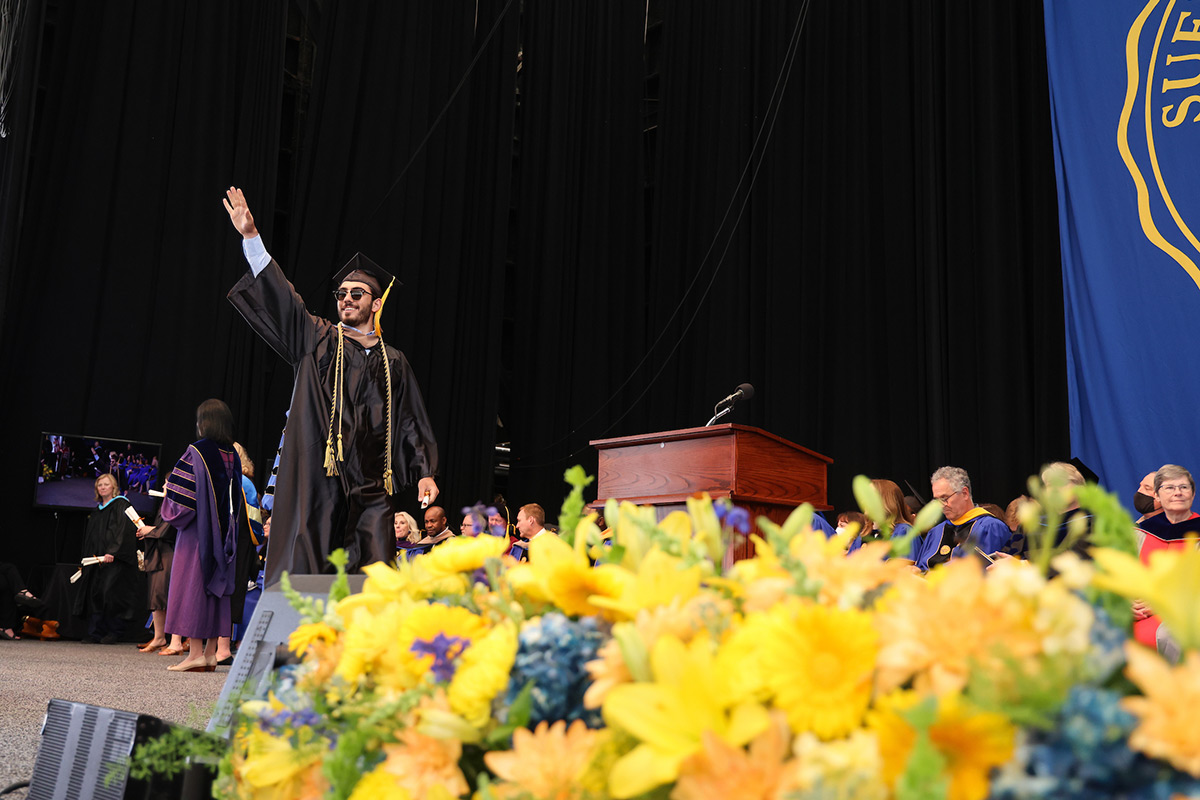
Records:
x=765, y=473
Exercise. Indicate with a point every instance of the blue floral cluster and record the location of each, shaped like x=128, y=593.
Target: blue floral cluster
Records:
x=1085, y=756
x=1107, y=648
x=551, y=654
x=732, y=516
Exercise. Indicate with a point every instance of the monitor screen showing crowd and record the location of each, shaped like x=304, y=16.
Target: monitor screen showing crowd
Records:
x=69, y=465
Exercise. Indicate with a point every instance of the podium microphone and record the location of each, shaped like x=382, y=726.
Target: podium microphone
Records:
x=722, y=408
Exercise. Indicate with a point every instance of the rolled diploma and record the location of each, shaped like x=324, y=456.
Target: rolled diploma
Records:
x=134, y=517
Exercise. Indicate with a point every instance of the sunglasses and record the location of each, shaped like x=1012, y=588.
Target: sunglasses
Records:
x=355, y=293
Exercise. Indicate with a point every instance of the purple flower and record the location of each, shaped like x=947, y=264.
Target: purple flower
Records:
x=444, y=649
x=722, y=507
x=738, y=518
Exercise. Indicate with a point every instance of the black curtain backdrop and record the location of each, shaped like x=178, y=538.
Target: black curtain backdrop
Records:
x=580, y=305
x=891, y=287
x=116, y=323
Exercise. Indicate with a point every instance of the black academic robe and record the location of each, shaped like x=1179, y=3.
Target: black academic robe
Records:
x=315, y=513
x=159, y=548
x=115, y=590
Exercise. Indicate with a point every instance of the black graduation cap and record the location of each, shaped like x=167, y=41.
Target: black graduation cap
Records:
x=370, y=273
x=364, y=270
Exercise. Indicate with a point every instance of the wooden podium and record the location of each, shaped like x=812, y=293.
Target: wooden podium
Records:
x=764, y=473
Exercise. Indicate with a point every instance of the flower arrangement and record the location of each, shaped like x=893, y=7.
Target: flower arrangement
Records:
x=635, y=666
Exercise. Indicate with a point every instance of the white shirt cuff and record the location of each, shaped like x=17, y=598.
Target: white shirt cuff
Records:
x=256, y=254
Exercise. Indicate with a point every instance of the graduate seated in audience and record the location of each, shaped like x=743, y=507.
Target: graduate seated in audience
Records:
x=967, y=530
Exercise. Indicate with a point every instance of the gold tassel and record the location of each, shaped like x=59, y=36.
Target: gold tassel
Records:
x=387, y=482
x=340, y=456
x=330, y=466
x=379, y=313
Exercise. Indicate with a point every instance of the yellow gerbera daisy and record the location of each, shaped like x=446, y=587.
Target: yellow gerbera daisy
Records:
x=1167, y=723
x=546, y=763
x=972, y=742
x=303, y=637
x=433, y=636
x=818, y=663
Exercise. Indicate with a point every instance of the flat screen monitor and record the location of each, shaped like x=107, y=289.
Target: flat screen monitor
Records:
x=69, y=465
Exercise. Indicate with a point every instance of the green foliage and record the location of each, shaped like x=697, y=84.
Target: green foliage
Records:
x=871, y=503
x=349, y=761
x=924, y=775
x=573, y=505
x=1027, y=697
x=518, y=717
x=168, y=755
x=310, y=609
x=1111, y=524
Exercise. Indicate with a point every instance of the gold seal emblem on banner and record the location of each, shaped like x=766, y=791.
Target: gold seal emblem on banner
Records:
x=1162, y=103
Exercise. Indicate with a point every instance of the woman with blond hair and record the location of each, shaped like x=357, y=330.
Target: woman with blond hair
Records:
x=108, y=594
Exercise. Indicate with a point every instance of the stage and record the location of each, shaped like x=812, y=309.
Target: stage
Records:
x=114, y=676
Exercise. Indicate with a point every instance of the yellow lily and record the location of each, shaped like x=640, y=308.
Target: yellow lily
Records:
x=660, y=580
x=1169, y=585
x=691, y=694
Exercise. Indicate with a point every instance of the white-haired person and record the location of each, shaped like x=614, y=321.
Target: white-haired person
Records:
x=966, y=527
x=1175, y=490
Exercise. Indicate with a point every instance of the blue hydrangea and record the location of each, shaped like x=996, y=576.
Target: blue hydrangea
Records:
x=551, y=653
x=1086, y=756
x=1107, y=650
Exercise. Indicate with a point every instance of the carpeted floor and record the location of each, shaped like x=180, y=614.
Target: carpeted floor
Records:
x=113, y=676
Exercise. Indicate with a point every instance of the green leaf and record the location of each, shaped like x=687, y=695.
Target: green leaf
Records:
x=871, y=503
x=924, y=775
x=573, y=505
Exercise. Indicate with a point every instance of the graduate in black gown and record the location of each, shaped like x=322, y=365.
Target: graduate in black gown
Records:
x=357, y=429
x=109, y=594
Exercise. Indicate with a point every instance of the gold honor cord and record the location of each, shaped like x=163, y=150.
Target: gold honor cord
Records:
x=337, y=407
x=388, y=484
x=330, y=461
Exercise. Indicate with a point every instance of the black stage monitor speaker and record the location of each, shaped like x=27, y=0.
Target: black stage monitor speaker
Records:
x=273, y=622
x=82, y=744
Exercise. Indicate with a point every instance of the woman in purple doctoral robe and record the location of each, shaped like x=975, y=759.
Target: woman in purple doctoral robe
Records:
x=205, y=504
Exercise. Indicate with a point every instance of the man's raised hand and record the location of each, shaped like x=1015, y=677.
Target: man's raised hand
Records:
x=239, y=212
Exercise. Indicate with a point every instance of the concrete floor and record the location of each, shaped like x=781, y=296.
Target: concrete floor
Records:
x=117, y=676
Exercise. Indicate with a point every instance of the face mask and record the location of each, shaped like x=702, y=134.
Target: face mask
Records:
x=1144, y=503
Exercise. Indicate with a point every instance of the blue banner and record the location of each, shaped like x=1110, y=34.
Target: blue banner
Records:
x=1125, y=107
